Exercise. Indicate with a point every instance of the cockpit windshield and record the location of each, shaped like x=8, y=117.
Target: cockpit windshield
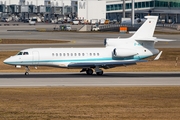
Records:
x=23, y=53
x=20, y=53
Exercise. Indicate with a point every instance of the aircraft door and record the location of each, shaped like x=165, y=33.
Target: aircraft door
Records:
x=35, y=58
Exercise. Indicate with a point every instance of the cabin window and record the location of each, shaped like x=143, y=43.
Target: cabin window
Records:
x=82, y=54
x=75, y=54
x=67, y=54
x=56, y=54
x=90, y=54
x=79, y=54
x=64, y=54
x=144, y=50
x=60, y=54
x=52, y=54
x=97, y=54
x=71, y=54
x=94, y=54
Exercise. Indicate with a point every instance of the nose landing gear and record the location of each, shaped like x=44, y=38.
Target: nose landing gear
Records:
x=27, y=70
x=26, y=73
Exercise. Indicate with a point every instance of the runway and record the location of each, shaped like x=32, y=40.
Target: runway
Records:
x=81, y=79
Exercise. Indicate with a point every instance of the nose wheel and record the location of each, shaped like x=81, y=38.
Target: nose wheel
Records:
x=26, y=73
x=27, y=70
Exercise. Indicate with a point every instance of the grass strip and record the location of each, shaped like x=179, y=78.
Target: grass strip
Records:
x=29, y=41
x=95, y=103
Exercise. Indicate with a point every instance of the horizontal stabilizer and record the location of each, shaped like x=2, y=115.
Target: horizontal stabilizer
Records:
x=164, y=40
x=154, y=39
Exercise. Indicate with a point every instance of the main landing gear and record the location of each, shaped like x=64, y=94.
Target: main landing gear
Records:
x=27, y=70
x=89, y=71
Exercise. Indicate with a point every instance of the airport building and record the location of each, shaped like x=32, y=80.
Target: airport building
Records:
x=31, y=6
x=167, y=10
x=36, y=2
x=89, y=9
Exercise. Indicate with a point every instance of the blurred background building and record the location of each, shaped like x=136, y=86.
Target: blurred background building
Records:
x=87, y=10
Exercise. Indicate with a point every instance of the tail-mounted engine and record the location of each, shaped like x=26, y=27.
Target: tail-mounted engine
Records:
x=111, y=42
x=124, y=52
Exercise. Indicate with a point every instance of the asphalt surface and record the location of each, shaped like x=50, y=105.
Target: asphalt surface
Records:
x=77, y=79
x=78, y=39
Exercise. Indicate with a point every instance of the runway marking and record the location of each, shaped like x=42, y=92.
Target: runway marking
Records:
x=72, y=79
x=73, y=41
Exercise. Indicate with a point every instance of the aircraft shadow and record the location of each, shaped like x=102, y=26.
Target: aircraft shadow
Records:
x=81, y=75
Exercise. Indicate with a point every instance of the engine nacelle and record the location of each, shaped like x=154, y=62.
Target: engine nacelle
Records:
x=111, y=42
x=124, y=52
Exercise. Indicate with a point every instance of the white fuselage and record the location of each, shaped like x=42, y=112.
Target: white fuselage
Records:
x=127, y=50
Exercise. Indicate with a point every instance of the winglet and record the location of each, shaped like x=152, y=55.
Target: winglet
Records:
x=158, y=56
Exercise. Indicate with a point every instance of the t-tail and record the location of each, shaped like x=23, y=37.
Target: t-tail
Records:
x=147, y=29
x=144, y=35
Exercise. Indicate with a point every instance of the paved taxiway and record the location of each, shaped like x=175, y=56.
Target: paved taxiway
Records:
x=79, y=39
x=81, y=79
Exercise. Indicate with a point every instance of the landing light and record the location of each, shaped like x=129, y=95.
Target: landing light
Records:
x=18, y=66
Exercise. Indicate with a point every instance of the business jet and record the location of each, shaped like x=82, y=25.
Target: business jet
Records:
x=117, y=52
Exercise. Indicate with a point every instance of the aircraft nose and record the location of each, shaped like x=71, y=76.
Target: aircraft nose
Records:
x=6, y=61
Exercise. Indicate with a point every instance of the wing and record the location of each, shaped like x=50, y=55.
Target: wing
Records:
x=105, y=65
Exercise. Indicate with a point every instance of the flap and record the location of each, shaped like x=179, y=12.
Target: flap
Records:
x=104, y=64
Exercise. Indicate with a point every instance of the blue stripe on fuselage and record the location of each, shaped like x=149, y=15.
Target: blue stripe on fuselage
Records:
x=81, y=60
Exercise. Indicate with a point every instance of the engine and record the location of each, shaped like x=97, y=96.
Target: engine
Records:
x=124, y=52
x=111, y=42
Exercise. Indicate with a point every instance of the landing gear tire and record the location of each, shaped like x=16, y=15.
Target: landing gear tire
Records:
x=27, y=70
x=26, y=73
x=89, y=72
x=99, y=73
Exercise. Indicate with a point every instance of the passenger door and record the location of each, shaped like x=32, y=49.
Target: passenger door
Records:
x=35, y=58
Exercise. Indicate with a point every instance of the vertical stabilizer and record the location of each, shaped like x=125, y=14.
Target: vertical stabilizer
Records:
x=147, y=29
